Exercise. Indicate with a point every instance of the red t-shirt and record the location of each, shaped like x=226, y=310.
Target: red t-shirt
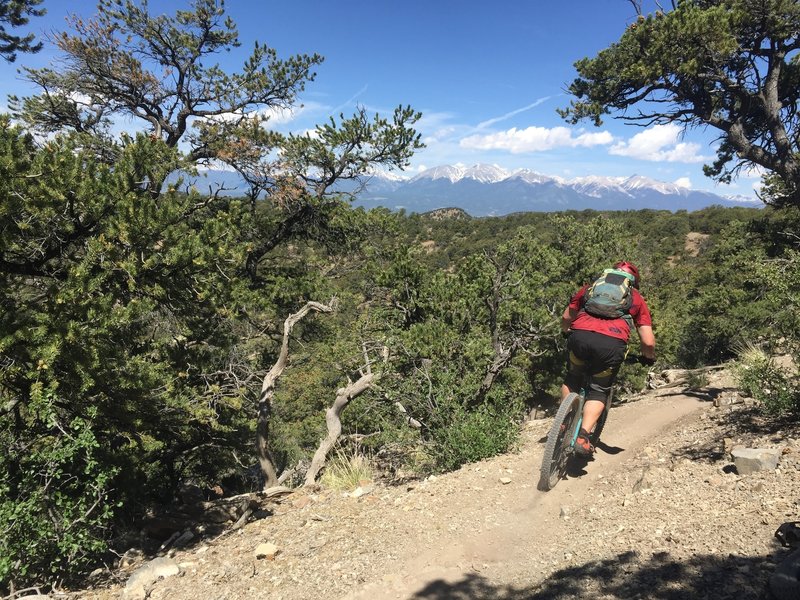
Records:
x=616, y=328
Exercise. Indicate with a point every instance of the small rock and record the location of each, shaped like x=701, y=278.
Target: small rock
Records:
x=130, y=558
x=751, y=460
x=643, y=483
x=362, y=491
x=564, y=513
x=505, y=480
x=139, y=583
x=301, y=502
x=266, y=550
x=183, y=539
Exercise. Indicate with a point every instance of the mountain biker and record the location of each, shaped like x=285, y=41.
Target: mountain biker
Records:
x=597, y=345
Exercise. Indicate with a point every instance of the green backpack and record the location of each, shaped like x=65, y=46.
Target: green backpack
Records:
x=611, y=295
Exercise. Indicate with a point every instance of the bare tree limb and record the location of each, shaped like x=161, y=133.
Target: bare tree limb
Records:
x=333, y=421
x=265, y=458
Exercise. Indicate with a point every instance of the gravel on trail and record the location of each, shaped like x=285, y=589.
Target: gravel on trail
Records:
x=660, y=512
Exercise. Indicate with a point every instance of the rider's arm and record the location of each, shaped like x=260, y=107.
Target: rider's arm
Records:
x=647, y=341
x=572, y=310
x=567, y=318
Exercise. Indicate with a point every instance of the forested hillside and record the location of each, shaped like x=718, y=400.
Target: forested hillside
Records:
x=158, y=338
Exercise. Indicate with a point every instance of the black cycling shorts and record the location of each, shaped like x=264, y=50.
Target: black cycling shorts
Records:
x=598, y=355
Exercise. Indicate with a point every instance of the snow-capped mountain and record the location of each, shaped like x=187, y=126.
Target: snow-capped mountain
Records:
x=484, y=190
x=534, y=177
x=598, y=187
x=456, y=173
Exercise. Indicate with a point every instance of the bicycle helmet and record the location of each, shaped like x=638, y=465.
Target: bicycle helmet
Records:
x=624, y=265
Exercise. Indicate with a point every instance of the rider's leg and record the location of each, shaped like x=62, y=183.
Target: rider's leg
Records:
x=573, y=380
x=601, y=356
x=592, y=409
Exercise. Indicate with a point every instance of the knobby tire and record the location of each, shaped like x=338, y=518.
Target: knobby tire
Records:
x=559, y=440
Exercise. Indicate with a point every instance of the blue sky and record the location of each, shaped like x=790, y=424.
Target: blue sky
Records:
x=487, y=77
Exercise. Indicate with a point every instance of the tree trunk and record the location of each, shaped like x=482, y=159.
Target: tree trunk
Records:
x=265, y=458
x=334, y=423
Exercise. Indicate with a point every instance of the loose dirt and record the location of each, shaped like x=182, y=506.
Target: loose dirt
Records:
x=659, y=512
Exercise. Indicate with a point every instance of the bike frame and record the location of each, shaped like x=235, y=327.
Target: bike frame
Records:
x=563, y=435
x=579, y=420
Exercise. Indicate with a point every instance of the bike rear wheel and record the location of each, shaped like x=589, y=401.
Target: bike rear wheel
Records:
x=559, y=442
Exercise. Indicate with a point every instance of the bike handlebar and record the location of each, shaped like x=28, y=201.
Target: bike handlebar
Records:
x=642, y=360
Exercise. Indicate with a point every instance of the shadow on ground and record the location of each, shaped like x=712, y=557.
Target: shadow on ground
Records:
x=629, y=576
x=744, y=422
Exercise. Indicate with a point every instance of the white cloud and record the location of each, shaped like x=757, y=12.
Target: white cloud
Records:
x=534, y=139
x=281, y=116
x=659, y=143
x=754, y=172
x=601, y=138
x=275, y=115
x=80, y=98
x=684, y=182
x=310, y=133
x=439, y=135
x=437, y=127
x=214, y=165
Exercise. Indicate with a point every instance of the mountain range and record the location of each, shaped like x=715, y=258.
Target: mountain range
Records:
x=489, y=190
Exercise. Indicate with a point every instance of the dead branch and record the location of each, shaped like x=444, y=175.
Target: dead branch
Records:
x=265, y=458
x=410, y=421
x=669, y=378
x=334, y=423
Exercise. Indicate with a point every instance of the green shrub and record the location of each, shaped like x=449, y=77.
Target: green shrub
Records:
x=696, y=380
x=54, y=510
x=632, y=379
x=470, y=436
x=759, y=376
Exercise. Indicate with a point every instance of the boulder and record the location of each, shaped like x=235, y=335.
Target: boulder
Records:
x=139, y=583
x=751, y=460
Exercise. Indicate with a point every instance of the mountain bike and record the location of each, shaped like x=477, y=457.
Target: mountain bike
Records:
x=560, y=445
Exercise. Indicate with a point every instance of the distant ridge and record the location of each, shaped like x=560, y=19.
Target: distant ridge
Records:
x=484, y=190
x=489, y=190
x=450, y=213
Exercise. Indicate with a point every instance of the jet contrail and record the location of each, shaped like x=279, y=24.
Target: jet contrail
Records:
x=350, y=100
x=512, y=113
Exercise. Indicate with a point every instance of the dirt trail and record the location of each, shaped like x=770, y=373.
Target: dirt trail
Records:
x=658, y=514
x=520, y=531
